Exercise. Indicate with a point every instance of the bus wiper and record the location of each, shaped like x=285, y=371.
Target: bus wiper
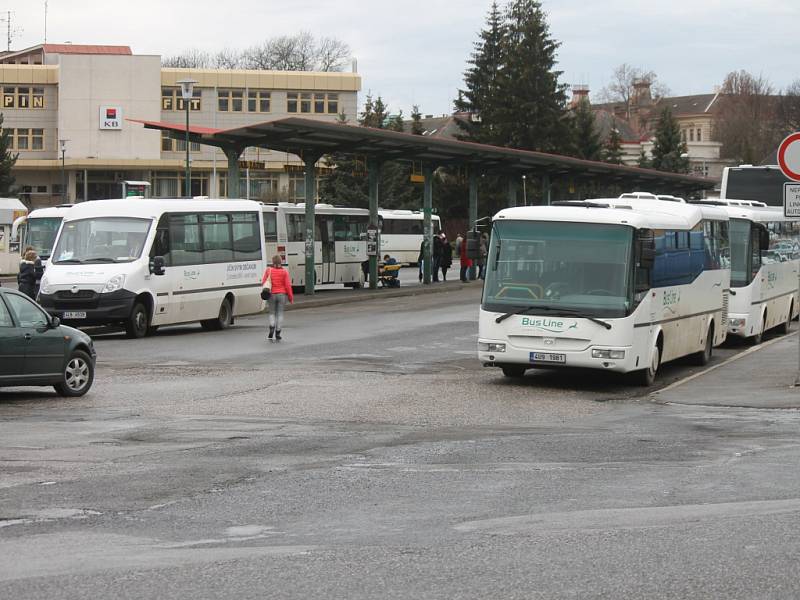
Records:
x=69, y=261
x=565, y=311
x=104, y=259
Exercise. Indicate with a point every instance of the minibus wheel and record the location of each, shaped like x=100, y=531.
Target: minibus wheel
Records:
x=786, y=326
x=514, y=371
x=703, y=357
x=759, y=337
x=137, y=324
x=647, y=377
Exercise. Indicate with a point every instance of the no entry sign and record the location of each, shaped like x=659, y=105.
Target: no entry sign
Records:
x=789, y=156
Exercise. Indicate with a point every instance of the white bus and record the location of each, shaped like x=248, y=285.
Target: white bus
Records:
x=762, y=183
x=39, y=228
x=340, y=244
x=402, y=232
x=620, y=285
x=159, y=262
x=765, y=257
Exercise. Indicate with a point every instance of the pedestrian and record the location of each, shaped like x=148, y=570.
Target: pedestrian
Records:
x=281, y=292
x=459, y=241
x=484, y=253
x=466, y=263
x=446, y=258
x=421, y=257
x=30, y=272
x=436, y=257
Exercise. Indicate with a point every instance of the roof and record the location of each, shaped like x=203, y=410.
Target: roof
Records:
x=446, y=126
x=688, y=105
x=147, y=208
x=607, y=216
x=605, y=120
x=308, y=137
x=86, y=49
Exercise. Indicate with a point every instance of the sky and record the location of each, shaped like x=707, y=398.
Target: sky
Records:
x=416, y=51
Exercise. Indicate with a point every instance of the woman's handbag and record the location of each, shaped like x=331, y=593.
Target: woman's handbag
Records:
x=266, y=287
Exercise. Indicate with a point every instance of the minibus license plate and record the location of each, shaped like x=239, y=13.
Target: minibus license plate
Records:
x=74, y=315
x=548, y=357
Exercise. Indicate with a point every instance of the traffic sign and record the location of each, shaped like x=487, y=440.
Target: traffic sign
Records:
x=789, y=156
x=791, y=200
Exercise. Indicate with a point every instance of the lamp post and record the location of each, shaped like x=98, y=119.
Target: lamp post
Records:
x=187, y=89
x=524, y=191
x=63, y=144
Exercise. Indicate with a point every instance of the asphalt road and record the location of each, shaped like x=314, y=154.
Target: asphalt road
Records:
x=369, y=456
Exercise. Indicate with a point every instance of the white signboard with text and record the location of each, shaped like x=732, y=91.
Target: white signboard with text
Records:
x=791, y=200
x=110, y=117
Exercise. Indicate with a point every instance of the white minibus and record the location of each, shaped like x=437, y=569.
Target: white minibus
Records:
x=620, y=285
x=340, y=244
x=147, y=263
x=765, y=257
x=402, y=232
x=38, y=229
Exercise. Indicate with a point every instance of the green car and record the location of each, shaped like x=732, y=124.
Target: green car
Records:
x=35, y=349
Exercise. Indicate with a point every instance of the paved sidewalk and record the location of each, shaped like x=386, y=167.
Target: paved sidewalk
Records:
x=761, y=377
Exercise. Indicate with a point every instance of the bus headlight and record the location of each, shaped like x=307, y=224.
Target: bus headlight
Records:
x=613, y=354
x=44, y=286
x=737, y=322
x=113, y=284
x=491, y=347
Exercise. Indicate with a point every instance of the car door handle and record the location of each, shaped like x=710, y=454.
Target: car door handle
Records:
x=28, y=337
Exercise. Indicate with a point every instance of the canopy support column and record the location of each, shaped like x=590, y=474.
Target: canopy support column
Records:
x=473, y=211
x=311, y=188
x=427, y=210
x=546, y=187
x=232, y=153
x=373, y=174
x=513, y=188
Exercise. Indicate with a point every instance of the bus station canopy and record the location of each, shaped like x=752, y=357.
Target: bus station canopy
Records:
x=310, y=139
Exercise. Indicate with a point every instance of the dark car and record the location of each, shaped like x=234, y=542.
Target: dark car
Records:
x=35, y=349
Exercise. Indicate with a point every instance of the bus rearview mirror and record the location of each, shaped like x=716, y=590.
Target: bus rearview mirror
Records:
x=157, y=264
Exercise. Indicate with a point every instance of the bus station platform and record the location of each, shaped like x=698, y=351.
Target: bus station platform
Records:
x=762, y=377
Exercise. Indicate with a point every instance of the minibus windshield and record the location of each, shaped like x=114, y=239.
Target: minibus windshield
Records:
x=101, y=240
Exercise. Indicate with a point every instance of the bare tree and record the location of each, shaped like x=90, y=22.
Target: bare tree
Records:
x=746, y=119
x=332, y=54
x=188, y=59
x=258, y=57
x=789, y=108
x=228, y=58
x=621, y=88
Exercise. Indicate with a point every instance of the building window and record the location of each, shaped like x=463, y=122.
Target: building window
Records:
x=23, y=97
x=683, y=135
x=171, y=99
x=316, y=103
x=258, y=101
x=691, y=135
x=25, y=139
x=169, y=144
x=263, y=185
x=230, y=101
x=699, y=135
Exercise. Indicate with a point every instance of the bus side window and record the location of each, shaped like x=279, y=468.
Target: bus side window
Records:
x=161, y=242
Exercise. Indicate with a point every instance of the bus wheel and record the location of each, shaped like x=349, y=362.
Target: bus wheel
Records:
x=786, y=326
x=646, y=377
x=137, y=324
x=223, y=320
x=703, y=357
x=759, y=337
x=514, y=371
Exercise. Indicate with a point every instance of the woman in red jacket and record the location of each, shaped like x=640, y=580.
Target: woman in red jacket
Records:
x=281, y=291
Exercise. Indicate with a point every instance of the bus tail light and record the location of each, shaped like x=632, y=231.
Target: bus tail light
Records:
x=613, y=354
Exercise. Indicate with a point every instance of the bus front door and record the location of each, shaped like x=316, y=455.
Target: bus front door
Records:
x=328, y=249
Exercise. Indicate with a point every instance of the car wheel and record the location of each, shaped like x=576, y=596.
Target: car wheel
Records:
x=223, y=320
x=514, y=371
x=77, y=376
x=137, y=324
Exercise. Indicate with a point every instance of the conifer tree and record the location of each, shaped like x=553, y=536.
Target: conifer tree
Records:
x=612, y=153
x=7, y=161
x=643, y=161
x=586, y=139
x=416, y=121
x=669, y=147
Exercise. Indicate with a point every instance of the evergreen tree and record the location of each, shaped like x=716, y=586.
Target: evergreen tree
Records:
x=7, y=161
x=482, y=80
x=586, y=139
x=533, y=102
x=669, y=146
x=612, y=153
x=643, y=161
x=416, y=121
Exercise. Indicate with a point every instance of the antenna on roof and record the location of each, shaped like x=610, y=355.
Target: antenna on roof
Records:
x=45, y=21
x=11, y=32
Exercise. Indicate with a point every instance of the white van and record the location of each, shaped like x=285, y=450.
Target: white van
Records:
x=147, y=263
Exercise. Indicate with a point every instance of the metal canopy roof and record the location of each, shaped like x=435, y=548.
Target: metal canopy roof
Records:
x=312, y=138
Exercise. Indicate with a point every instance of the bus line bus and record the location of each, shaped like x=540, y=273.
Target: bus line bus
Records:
x=765, y=258
x=38, y=229
x=620, y=285
x=158, y=262
x=762, y=183
x=340, y=244
x=402, y=232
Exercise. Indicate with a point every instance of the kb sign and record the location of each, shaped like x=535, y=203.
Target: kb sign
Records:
x=110, y=117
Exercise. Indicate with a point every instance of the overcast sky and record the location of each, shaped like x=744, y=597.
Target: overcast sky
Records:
x=415, y=51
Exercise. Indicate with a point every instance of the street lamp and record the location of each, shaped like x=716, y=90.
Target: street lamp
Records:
x=187, y=89
x=524, y=191
x=63, y=144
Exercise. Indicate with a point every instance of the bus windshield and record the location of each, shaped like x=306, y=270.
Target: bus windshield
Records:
x=582, y=267
x=101, y=240
x=40, y=233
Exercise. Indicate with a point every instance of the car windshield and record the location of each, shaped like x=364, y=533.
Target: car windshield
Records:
x=41, y=233
x=101, y=240
x=582, y=267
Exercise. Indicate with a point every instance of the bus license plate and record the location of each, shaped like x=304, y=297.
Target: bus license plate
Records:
x=74, y=315
x=548, y=357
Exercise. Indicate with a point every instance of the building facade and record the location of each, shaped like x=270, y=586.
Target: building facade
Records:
x=66, y=108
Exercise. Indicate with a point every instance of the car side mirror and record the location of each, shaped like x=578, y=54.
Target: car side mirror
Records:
x=157, y=264
x=54, y=322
